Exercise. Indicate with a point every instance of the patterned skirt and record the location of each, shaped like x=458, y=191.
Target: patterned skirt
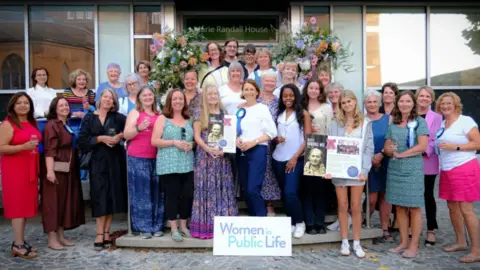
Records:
x=270, y=189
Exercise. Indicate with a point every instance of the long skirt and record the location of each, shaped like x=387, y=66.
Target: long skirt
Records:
x=146, y=198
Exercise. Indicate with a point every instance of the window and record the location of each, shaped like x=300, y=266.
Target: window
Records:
x=455, y=46
x=62, y=35
x=147, y=20
x=142, y=50
x=396, y=46
x=321, y=14
x=113, y=39
x=12, y=48
x=13, y=72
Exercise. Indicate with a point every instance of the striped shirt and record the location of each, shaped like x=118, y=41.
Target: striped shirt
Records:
x=76, y=102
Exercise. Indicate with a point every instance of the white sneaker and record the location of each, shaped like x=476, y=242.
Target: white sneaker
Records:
x=334, y=226
x=359, y=251
x=345, y=249
x=299, y=230
x=293, y=228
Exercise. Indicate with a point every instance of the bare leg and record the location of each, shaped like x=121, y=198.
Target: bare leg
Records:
x=183, y=225
x=270, y=209
x=18, y=225
x=458, y=225
x=471, y=220
x=342, y=199
x=385, y=211
x=402, y=220
x=416, y=228
x=100, y=229
x=53, y=242
x=61, y=238
x=173, y=226
x=356, y=206
x=373, y=201
x=107, y=226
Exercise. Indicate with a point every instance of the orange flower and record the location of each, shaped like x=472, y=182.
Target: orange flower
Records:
x=181, y=41
x=323, y=46
x=205, y=57
x=192, y=61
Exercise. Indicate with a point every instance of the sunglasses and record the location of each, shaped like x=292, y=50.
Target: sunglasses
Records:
x=183, y=134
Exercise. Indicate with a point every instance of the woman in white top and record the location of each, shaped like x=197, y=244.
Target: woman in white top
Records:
x=264, y=63
x=289, y=74
x=131, y=88
x=334, y=90
x=231, y=92
x=349, y=122
x=316, y=191
x=255, y=128
x=216, y=73
x=293, y=122
x=458, y=140
x=41, y=94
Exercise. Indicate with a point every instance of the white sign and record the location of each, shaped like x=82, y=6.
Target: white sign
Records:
x=344, y=157
x=228, y=144
x=252, y=236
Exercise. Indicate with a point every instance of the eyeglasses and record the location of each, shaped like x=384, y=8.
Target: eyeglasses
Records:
x=231, y=46
x=213, y=50
x=132, y=84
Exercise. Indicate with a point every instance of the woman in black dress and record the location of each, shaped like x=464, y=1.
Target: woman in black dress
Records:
x=100, y=133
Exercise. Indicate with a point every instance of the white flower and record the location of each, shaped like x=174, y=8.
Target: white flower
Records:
x=305, y=65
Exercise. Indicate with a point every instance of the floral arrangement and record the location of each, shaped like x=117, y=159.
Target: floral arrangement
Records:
x=310, y=47
x=176, y=53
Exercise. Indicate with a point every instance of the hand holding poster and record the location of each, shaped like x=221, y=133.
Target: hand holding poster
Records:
x=344, y=157
x=315, y=155
x=222, y=132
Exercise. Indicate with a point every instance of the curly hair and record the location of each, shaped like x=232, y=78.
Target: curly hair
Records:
x=397, y=115
x=297, y=105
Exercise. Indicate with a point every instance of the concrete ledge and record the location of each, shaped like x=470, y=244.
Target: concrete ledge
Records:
x=167, y=242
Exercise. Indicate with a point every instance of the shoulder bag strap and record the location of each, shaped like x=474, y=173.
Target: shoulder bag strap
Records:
x=208, y=73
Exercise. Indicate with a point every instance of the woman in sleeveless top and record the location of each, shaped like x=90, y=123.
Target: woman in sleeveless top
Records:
x=20, y=169
x=349, y=122
x=293, y=122
x=173, y=136
x=146, y=198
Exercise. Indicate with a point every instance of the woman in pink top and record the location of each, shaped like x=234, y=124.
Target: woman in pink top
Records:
x=425, y=97
x=146, y=200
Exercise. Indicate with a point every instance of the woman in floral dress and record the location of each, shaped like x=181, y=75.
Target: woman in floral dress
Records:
x=270, y=189
x=214, y=193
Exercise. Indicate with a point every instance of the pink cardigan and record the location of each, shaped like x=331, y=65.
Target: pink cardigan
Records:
x=430, y=160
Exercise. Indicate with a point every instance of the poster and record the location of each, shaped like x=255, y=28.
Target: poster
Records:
x=344, y=157
x=222, y=132
x=315, y=155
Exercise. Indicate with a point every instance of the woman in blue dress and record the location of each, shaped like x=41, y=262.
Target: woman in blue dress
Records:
x=378, y=174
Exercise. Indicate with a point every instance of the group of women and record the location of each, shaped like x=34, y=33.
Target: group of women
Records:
x=174, y=174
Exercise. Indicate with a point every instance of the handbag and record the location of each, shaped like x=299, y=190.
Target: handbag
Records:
x=84, y=160
x=59, y=166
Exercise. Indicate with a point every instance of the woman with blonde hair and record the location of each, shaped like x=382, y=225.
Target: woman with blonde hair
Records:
x=289, y=75
x=264, y=59
x=458, y=140
x=349, y=122
x=214, y=193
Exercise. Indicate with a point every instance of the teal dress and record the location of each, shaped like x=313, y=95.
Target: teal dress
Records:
x=405, y=178
x=171, y=159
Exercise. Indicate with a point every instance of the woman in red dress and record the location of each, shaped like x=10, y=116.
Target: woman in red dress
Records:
x=20, y=169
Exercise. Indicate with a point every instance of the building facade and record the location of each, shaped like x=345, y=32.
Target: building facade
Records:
x=407, y=42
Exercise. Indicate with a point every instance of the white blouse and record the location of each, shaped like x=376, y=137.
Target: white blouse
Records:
x=42, y=97
x=322, y=117
x=290, y=129
x=230, y=99
x=257, y=122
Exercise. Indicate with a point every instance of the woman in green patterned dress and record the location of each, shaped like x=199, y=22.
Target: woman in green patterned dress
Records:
x=406, y=140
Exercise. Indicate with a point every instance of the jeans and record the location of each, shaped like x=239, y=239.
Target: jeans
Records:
x=430, y=204
x=289, y=184
x=251, y=174
x=314, y=193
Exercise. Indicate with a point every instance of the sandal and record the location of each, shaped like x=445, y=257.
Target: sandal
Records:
x=177, y=237
x=387, y=237
x=409, y=255
x=470, y=259
x=26, y=255
x=109, y=242
x=27, y=245
x=454, y=248
x=185, y=233
x=429, y=243
x=98, y=245
x=397, y=250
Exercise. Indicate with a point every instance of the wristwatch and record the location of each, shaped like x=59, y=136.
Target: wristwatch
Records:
x=458, y=148
x=383, y=153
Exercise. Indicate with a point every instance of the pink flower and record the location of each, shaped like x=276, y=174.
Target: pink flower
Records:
x=153, y=48
x=314, y=60
x=336, y=46
x=313, y=20
x=161, y=42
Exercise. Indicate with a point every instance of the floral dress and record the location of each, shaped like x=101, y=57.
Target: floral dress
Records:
x=270, y=189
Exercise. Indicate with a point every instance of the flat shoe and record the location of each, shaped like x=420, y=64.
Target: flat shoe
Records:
x=56, y=248
x=393, y=250
x=454, y=248
x=470, y=259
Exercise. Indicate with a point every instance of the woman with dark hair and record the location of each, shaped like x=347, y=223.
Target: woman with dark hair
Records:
x=231, y=51
x=62, y=198
x=192, y=94
x=100, y=135
x=389, y=92
x=173, y=136
x=40, y=93
x=406, y=141
x=216, y=73
x=316, y=192
x=143, y=69
x=293, y=122
x=146, y=198
x=20, y=169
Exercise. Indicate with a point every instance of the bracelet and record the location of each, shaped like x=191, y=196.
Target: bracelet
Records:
x=138, y=130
